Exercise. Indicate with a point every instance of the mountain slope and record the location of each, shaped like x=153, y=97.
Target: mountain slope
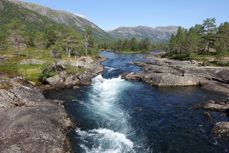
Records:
x=31, y=19
x=59, y=17
x=38, y=17
x=158, y=34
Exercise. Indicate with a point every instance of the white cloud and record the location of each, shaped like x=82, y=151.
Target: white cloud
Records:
x=80, y=15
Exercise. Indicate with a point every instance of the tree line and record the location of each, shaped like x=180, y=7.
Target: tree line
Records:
x=201, y=39
x=131, y=45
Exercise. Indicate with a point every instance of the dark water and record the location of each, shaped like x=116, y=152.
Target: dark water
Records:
x=119, y=116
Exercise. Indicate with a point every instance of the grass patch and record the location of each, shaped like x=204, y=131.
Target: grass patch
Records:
x=30, y=72
x=74, y=70
x=11, y=69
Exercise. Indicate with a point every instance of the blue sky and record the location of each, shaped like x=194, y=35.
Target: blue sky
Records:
x=110, y=14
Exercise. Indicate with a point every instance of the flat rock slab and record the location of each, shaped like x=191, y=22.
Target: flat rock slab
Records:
x=224, y=75
x=28, y=122
x=33, y=129
x=164, y=79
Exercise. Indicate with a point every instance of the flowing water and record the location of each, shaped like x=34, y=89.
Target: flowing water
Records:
x=118, y=116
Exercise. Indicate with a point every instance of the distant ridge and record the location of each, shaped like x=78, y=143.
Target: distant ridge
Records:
x=158, y=34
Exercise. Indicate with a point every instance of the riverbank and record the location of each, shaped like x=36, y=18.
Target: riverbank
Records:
x=162, y=72
x=31, y=123
x=63, y=79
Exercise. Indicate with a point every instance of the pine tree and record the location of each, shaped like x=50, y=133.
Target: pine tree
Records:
x=194, y=38
x=16, y=30
x=180, y=38
x=133, y=44
x=89, y=43
x=70, y=42
x=40, y=40
x=209, y=26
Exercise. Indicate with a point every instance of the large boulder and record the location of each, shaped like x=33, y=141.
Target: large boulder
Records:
x=71, y=80
x=55, y=80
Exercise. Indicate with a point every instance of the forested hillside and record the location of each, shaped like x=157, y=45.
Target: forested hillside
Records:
x=26, y=34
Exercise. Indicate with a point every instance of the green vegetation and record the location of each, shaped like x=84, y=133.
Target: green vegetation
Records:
x=73, y=70
x=30, y=72
x=20, y=40
x=131, y=46
x=201, y=42
x=47, y=71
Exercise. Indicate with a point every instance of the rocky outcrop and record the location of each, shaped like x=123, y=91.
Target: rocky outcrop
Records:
x=221, y=129
x=62, y=79
x=29, y=122
x=164, y=79
x=166, y=72
x=214, y=106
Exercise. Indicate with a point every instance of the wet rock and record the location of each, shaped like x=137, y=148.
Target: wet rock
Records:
x=214, y=106
x=75, y=87
x=221, y=129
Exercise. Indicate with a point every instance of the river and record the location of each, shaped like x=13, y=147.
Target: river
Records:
x=118, y=116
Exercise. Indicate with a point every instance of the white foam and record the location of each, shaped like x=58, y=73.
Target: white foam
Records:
x=116, y=136
x=105, y=92
x=103, y=103
x=110, y=69
x=107, y=141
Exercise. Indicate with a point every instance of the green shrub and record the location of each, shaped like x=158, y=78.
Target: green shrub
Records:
x=46, y=72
